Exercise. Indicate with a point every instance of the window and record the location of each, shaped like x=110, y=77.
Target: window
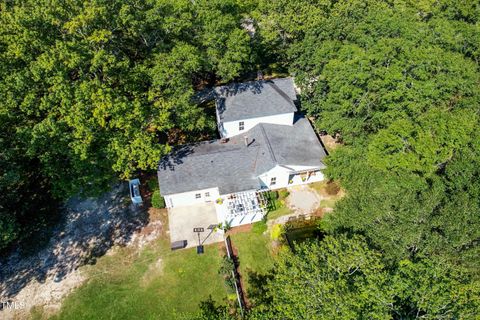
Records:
x=198, y=195
x=273, y=181
x=241, y=126
x=207, y=194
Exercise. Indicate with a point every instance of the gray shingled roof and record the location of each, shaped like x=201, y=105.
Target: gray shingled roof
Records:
x=254, y=99
x=233, y=166
x=295, y=145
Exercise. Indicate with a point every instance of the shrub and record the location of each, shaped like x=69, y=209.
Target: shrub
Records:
x=282, y=194
x=259, y=227
x=153, y=184
x=225, y=271
x=272, y=195
x=225, y=226
x=276, y=232
x=157, y=200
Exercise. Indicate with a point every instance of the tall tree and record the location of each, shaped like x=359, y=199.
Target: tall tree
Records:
x=397, y=83
x=91, y=91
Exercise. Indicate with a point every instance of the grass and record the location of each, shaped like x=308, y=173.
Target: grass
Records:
x=132, y=285
x=328, y=203
x=281, y=210
x=278, y=207
x=253, y=251
x=329, y=191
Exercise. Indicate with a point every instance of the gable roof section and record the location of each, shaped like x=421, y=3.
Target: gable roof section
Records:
x=233, y=166
x=255, y=99
x=230, y=166
x=295, y=145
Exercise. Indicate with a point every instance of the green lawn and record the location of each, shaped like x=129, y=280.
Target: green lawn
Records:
x=253, y=251
x=280, y=211
x=328, y=203
x=132, y=285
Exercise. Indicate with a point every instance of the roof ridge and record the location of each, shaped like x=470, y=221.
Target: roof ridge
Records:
x=269, y=146
x=281, y=93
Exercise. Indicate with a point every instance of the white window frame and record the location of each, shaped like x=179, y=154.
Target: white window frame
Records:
x=241, y=126
x=198, y=195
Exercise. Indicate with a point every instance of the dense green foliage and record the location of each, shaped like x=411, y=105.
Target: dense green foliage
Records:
x=90, y=91
x=397, y=83
x=341, y=278
x=98, y=89
x=401, y=89
x=157, y=200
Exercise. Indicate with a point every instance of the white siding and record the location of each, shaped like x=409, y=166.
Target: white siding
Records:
x=189, y=198
x=280, y=173
x=283, y=176
x=231, y=128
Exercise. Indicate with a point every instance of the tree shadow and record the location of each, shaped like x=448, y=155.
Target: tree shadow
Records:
x=89, y=229
x=258, y=290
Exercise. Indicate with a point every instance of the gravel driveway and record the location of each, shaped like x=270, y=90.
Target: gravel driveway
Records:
x=92, y=226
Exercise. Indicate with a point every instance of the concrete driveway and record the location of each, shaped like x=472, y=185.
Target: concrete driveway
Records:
x=182, y=220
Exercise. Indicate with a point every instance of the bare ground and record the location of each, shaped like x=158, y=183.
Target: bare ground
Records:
x=329, y=142
x=303, y=199
x=91, y=227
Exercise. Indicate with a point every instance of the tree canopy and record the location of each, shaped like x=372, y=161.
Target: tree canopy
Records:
x=91, y=91
x=397, y=83
x=342, y=278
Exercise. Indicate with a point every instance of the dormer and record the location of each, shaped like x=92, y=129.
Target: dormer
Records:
x=241, y=106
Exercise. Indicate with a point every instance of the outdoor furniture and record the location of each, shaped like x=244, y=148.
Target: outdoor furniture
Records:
x=178, y=244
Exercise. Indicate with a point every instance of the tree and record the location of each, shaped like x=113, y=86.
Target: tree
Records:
x=335, y=278
x=434, y=291
x=343, y=278
x=92, y=91
x=397, y=83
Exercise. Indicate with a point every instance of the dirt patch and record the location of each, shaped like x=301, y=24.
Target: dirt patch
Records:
x=320, y=212
x=91, y=228
x=329, y=142
x=303, y=200
x=240, y=229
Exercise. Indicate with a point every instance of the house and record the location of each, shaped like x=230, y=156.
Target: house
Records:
x=240, y=107
x=264, y=145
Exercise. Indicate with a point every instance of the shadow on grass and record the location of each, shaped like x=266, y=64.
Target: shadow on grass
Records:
x=89, y=228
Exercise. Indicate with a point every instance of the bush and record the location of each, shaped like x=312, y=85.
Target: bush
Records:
x=276, y=232
x=272, y=195
x=153, y=184
x=259, y=227
x=157, y=200
x=282, y=194
x=225, y=271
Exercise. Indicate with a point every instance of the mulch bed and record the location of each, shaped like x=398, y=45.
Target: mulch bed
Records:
x=240, y=229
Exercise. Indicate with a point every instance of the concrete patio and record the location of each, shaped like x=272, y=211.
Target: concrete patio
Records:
x=182, y=220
